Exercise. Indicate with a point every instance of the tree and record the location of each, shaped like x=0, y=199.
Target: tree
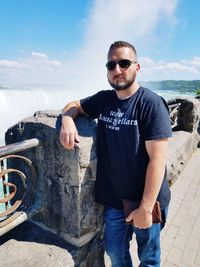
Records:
x=198, y=92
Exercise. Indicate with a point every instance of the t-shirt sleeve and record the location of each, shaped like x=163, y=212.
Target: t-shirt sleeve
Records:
x=90, y=105
x=157, y=123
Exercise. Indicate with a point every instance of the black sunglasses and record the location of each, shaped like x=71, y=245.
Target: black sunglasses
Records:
x=124, y=64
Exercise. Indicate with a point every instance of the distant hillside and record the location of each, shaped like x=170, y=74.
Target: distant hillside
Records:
x=173, y=85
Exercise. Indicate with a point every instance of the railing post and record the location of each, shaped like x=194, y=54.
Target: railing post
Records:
x=19, y=146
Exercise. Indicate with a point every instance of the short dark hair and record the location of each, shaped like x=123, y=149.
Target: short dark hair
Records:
x=119, y=44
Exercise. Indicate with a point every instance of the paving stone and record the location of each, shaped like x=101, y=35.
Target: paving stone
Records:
x=169, y=264
x=180, y=241
x=172, y=231
x=185, y=229
x=166, y=243
x=193, y=243
x=164, y=254
x=178, y=221
x=196, y=231
x=197, y=259
x=188, y=257
x=175, y=255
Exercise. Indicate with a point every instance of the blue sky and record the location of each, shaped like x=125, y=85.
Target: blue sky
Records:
x=60, y=41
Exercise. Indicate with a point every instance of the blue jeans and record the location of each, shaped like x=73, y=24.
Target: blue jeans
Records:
x=118, y=235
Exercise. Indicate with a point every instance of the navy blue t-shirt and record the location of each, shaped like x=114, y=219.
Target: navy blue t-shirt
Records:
x=123, y=127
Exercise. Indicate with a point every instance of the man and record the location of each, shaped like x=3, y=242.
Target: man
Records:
x=133, y=132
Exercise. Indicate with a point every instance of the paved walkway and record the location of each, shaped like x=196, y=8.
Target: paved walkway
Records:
x=181, y=237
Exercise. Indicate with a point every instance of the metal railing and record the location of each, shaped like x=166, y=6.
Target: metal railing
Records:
x=10, y=217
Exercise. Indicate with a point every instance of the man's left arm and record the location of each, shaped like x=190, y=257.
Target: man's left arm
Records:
x=157, y=151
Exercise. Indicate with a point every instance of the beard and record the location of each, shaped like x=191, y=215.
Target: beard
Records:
x=123, y=85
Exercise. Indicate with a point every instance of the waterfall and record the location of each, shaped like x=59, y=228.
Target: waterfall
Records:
x=19, y=103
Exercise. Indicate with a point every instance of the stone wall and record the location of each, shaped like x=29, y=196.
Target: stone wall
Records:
x=65, y=183
x=185, y=124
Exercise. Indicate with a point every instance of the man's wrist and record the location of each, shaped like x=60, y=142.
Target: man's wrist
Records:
x=147, y=206
x=66, y=120
x=66, y=115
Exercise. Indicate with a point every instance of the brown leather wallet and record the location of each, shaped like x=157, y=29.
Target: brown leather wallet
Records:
x=130, y=205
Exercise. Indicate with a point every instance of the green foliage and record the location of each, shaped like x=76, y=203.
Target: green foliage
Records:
x=174, y=85
x=198, y=92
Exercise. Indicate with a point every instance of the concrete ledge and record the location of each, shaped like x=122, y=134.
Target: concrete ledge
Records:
x=181, y=147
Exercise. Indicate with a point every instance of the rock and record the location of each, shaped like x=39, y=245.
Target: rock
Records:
x=185, y=115
x=64, y=190
x=40, y=242
x=187, y=112
x=31, y=254
x=181, y=147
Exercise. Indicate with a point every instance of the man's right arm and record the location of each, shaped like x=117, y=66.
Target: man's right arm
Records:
x=68, y=132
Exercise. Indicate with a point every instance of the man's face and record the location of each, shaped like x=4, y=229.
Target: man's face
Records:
x=122, y=78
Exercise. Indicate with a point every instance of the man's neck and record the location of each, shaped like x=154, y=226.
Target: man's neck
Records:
x=123, y=94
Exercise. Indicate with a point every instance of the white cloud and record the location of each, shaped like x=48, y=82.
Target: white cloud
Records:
x=116, y=19
x=162, y=70
x=37, y=68
x=42, y=58
x=195, y=61
x=11, y=64
x=39, y=55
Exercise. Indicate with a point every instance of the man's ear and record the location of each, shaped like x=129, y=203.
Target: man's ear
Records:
x=137, y=67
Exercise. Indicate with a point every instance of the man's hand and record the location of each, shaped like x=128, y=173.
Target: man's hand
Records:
x=68, y=133
x=142, y=218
